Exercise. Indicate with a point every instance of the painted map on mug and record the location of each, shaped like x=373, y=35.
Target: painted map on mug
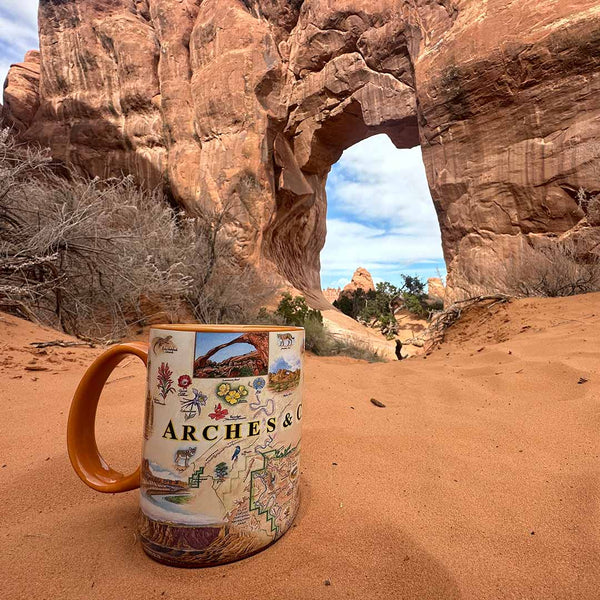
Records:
x=222, y=439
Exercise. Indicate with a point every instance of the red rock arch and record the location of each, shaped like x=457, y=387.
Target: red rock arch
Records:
x=252, y=101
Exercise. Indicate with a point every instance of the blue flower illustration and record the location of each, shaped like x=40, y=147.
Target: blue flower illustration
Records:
x=258, y=384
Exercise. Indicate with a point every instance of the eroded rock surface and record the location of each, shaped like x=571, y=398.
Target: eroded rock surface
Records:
x=247, y=103
x=361, y=280
x=436, y=289
x=21, y=92
x=331, y=294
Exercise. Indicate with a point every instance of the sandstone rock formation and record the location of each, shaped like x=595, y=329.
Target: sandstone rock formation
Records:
x=361, y=280
x=21, y=91
x=247, y=103
x=436, y=289
x=331, y=294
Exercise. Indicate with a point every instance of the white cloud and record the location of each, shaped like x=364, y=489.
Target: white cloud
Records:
x=22, y=10
x=380, y=214
x=350, y=245
x=18, y=32
x=375, y=182
x=341, y=282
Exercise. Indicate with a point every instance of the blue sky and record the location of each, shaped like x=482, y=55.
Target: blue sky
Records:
x=18, y=32
x=380, y=216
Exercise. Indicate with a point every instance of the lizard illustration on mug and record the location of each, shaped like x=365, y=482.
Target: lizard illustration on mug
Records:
x=163, y=344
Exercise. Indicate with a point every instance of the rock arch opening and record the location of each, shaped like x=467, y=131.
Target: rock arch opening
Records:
x=303, y=155
x=307, y=80
x=380, y=216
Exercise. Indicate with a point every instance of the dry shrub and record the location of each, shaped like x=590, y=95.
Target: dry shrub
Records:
x=442, y=320
x=590, y=204
x=320, y=341
x=554, y=270
x=94, y=257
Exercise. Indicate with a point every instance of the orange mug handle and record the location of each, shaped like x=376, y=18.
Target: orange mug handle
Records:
x=81, y=439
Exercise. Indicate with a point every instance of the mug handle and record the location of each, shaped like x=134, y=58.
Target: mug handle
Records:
x=81, y=439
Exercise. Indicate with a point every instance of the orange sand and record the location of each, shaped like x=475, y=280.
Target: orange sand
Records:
x=480, y=478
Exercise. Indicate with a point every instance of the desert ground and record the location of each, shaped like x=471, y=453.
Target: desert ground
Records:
x=479, y=479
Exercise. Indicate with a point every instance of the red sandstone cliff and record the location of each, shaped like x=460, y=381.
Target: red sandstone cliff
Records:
x=250, y=102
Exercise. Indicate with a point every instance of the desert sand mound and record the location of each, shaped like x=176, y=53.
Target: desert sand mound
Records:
x=478, y=479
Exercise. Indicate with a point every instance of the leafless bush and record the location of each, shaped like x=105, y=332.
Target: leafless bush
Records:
x=442, y=320
x=555, y=270
x=590, y=204
x=93, y=257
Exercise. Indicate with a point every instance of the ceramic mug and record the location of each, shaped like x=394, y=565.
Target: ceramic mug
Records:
x=221, y=449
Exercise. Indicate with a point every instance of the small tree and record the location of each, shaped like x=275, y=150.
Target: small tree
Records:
x=221, y=471
x=295, y=311
x=317, y=338
x=354, y=303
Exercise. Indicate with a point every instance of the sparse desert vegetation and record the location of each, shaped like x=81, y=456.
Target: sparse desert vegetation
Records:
x=557, y=270
x=378, y=308
x=93, y=257
x=318, y=339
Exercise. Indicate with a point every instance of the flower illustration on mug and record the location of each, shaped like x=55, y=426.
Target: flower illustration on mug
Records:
x=184, y=381
x=220, y=413
x=258, y=384
x=165, y=383
x=191, y=407
x=232, y=395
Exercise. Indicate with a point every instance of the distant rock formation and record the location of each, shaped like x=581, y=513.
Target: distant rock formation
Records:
x=248, y=103
x=331, y=294
x=21, y=92
x=361, y=280
x=436, y=289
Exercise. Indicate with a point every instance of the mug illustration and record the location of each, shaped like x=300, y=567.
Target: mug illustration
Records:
x=219, y=473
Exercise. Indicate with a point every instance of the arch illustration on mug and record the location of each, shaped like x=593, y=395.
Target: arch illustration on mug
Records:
x=218, y=479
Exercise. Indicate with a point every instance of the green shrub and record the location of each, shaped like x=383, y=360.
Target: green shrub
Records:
x=414, y=304
x=378, y=307
x=317, y=339
x=356, y=303
x=295, y=311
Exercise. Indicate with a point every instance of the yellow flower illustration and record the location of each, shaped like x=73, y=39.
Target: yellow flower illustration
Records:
x=232, y=397
x=242, y=390
x=223, y=389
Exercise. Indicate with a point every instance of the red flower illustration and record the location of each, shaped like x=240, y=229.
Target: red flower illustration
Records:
x=165, y=383
x=220, y=413
x=184, y=381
